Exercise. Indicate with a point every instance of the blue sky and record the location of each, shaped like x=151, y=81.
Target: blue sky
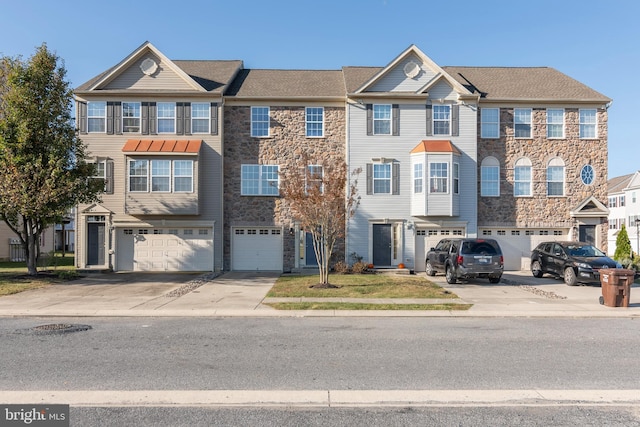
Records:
x=593, y=41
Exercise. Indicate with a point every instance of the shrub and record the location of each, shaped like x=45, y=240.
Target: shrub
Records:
x=68, y=274
x=359, y=267
x=341, y=267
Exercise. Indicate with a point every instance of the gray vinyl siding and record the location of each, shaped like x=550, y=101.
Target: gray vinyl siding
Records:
x=442, y=90
x=396, y=81
x=134, y=78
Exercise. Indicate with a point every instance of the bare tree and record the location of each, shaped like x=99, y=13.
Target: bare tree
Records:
x=320, y=201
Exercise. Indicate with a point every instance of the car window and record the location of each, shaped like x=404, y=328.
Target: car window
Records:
x=443, y=245
x=480, y=247
x=454, y=247
x=584, y=250
x=546, y=247
x=557, y=249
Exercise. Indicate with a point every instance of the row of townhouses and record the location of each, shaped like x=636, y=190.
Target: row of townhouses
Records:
x=624, y=207
x=191, y=153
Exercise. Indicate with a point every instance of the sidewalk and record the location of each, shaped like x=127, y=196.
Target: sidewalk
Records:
x=237, y=294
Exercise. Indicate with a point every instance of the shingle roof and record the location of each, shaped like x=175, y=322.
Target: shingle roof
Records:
x=618, y=183
x=287, y=83
x=354, y=77
x=523, y=83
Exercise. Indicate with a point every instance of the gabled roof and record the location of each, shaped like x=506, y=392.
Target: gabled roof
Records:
x=411, y=51
x=435, y=146
x=589, y=208
x=261, y=83
x=618, y=183
x=523, y=83
x=200, y=76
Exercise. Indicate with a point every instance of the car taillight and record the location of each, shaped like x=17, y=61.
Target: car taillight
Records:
x=460, y=259
x=501, y=260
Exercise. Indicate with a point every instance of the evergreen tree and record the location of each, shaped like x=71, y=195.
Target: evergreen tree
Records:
x=623, y=246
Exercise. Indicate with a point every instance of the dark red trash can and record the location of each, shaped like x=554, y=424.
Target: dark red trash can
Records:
x=616, y=286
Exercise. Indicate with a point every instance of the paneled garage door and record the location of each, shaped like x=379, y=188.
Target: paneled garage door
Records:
x=183, y=249
x=256, y=249
x=516, y=244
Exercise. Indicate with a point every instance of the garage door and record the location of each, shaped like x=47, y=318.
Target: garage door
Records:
x=517, y=244
x=256, y=249
x=183, y=249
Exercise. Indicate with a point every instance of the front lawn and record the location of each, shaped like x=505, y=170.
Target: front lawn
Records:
x=53, y=269
x=359, y=286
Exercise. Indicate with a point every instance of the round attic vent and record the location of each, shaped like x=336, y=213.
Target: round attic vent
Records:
x=148, y=66
x=411, y=69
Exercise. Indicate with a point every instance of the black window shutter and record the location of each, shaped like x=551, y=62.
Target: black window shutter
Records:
x=179, y=118
x=429, y=119
x=82, y=113
x=145, y=119
x=455, y=122
x=369, y=119
x=187, y=118
x=395, y=119
x=369, y=178
x=214, y=118
x=395, y=178
x=109, y=177
x=117, y=118
x=153, y=122
x=110, y=107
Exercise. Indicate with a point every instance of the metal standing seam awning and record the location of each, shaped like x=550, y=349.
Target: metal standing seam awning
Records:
x=160, y=146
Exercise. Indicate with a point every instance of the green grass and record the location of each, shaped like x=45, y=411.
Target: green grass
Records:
x=363, y=306
x=359, y=286
x=14, y=277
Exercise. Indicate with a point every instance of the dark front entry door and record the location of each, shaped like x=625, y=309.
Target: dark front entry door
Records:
x=309, y=254
x=95, y=243
x=588, y=234
x=382, y=244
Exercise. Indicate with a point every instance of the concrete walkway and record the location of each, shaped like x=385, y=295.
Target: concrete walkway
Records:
x=244, y=294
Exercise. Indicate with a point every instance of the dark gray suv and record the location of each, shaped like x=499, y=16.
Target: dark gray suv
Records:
x=466, y=259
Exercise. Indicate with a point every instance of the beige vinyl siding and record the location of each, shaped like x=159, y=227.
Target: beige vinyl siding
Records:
x=442, y=90
x=134, y=78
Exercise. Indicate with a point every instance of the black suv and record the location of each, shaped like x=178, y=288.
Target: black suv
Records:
x=574, y=261
x=466, y=259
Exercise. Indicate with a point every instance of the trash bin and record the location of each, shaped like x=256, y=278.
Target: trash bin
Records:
x=616, y=286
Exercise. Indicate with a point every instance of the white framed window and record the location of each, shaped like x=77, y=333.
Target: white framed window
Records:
x=164, y=175
x=382, y=119
x=456, y=178
x=313, y=177
x=138, y=175
x=259, y=180
x=418, y=178
x=588, y=121
x=97, y=117
x=166, y=112
x=613, y=202
x=161, y=176
x=490, y=123
x=621, y=201
x=131, y=117
x=555, y=123
x=522, y=122
x=555, y=177
x=438, y=177
x=259, y=121
x=490, y=177
x=522, y=178
x=200, y=117
x=441, y=119
x=314, y=119
x=382, y=178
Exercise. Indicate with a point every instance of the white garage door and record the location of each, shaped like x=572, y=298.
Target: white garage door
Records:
x=256, y=249
x=517, y=244
x=183, y=249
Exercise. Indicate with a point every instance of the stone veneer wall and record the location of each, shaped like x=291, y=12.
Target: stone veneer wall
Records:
x=287, y=143
x=540, y=210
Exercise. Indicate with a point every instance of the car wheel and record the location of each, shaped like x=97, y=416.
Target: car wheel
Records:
x=430, y=270
x=494, y=279
x=450, y=275
x=536, y=269
x=570, y=276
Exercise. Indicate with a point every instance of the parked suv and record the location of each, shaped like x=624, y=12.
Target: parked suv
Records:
x=574, y=261
x=466, y=259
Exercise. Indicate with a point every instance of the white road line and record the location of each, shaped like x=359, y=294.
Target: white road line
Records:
x=323, y=398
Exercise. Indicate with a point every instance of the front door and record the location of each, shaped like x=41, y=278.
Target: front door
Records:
x=309, y=254
x=382, y=244
x=95, y=243
x=588, y=234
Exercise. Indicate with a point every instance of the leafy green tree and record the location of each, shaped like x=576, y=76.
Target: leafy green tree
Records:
x=623, y=245
x=43, y=164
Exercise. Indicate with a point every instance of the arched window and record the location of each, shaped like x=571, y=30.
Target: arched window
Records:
x=555, y=177
x=522, y=177
x=490, y=177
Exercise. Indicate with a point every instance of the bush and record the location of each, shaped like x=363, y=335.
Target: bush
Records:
x=68, y=275
x=341, y=267
x=359, y=267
